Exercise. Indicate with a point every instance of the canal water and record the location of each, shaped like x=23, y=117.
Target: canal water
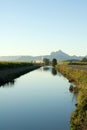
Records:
x=39, y=100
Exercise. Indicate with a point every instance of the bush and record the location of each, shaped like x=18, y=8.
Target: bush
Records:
x=54, y=62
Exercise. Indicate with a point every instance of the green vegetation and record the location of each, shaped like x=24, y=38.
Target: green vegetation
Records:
x=79, y=77
x=46, y=61
x=54, y=62
x=6, y=65
x=11, y=70
x=64, y=62
x=77, y=63
x=84, y=59
x=73, y=62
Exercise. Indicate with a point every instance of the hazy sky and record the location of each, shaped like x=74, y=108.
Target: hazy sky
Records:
x=37, y=27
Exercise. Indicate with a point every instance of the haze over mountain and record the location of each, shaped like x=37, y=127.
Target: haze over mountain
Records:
x=59, y=55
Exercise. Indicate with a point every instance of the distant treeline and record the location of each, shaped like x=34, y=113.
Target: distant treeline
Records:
x=77, y=63
x=82, y=62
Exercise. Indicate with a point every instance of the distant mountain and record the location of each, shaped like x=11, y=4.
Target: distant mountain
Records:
x=9, y=58
x=59, y=55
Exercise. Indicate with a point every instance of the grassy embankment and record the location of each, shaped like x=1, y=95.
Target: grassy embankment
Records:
x=11, y=70
x=79, y=77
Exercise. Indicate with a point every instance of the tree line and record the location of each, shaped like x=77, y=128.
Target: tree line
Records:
x=84, y=59
x=46, y=61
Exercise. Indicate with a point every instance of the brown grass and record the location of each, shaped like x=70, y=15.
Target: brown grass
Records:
x=78, y=75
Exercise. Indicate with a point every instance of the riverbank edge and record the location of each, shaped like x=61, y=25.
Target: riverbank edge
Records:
x=8, y=75
x=78, y=119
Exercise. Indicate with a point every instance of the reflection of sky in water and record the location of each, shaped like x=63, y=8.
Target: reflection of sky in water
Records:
x=38, y=101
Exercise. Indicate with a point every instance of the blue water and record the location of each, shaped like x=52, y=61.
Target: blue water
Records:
x=39, y=100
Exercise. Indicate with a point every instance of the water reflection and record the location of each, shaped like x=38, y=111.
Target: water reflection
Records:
x=37, y=102
x=8, y=84
x=74, y=90
x=46, y=68
x=54, y=72
x=51, y=69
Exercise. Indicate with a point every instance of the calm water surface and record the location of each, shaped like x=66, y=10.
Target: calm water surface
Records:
x=39, y=100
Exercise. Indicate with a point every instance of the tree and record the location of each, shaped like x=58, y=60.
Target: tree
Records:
x=84, y=59
x=54, y=62
x=46, y=61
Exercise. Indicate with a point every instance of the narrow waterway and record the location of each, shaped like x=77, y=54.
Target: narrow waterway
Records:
x=39, y=100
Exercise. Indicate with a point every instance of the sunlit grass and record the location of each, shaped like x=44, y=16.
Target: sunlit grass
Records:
x=79, y=77
x=13, y=64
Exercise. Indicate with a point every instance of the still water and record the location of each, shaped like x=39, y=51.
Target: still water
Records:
x=39, y=100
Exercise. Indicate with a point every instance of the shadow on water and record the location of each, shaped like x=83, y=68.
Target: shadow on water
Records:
x=74, y=91
x=10, y=80
x=51, y=69
x=8, y=77
x=8, y=84
x=54, y=72
x=46, y=68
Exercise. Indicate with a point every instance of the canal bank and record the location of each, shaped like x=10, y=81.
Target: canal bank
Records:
x=10, y=72
x=79, y=77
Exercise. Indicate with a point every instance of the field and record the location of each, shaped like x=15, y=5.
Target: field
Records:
x=79, y=67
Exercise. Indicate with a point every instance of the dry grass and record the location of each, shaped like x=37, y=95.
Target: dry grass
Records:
x=79, y=67
x=79, y=76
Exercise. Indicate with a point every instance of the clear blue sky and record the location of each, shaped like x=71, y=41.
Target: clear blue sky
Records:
x=37, y=27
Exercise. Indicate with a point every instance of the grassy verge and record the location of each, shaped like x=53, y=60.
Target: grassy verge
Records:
x=79, y=77
x=11, y=70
